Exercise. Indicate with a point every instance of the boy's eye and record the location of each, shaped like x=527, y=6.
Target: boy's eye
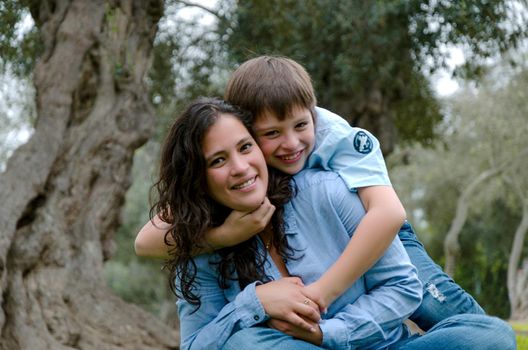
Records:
x=301, y=125
x=246, y=147
x=271, y=133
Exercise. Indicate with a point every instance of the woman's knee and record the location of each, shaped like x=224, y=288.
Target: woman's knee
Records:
x=265, y=338
x=245, y=338
x=504, y=335
x=486, y=332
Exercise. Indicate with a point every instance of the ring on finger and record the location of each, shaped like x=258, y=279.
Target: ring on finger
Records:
x=306, y=302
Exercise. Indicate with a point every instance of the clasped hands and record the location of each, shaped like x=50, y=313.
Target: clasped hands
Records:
x=292, y=308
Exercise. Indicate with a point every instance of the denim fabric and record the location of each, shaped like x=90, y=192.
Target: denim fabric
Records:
x=262, y=338
x=460, y=332
x=463, y=332
x=442, y=297
x=319, y=221
x=336, y=149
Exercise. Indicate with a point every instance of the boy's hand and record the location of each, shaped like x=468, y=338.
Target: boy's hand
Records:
x=315, y=293
x=283, y=300
x=241, y=226
x=315, y=337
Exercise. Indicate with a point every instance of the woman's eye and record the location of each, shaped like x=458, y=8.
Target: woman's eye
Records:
x=216, y=162
x=246, y=147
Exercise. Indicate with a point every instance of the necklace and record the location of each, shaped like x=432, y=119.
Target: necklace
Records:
x=267, y=233
x=267, y=244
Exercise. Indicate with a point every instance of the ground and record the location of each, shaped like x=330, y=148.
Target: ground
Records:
x=521, y=329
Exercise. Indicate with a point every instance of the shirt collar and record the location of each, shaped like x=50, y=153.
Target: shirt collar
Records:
x=290, y=222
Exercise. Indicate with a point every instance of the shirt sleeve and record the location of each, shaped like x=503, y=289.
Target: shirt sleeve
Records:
x=211, y=325
x=392, y=293
x=353, y=153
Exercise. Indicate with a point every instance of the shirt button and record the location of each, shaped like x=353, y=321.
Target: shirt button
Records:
x=256, y=318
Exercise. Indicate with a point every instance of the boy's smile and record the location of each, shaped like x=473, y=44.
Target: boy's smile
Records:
x=286, y=144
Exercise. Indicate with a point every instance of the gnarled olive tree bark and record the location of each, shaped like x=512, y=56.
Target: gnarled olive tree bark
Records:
x=62, y=192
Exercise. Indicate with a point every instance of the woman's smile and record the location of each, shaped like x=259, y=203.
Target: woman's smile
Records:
x=237, y=176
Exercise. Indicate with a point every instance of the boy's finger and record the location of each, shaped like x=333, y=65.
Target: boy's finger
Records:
x=269, y=213
x=262, y=214
x=298, y=321
x=263, y=208
x=294, y=280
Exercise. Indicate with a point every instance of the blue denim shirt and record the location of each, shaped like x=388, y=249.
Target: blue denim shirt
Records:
x=353, y=153
x=319, y=222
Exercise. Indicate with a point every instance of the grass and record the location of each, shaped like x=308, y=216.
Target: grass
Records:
x=521, y=329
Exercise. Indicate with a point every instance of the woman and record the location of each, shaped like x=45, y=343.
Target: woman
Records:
x=210, y=165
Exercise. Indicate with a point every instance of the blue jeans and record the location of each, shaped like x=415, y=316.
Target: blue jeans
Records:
x=460, y=332
x=442, y=297
x=265, y=338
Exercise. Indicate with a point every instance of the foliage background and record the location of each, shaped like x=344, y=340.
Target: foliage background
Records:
x=372, y=63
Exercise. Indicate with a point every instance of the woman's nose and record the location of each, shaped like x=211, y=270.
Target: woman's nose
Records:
x=239, y=165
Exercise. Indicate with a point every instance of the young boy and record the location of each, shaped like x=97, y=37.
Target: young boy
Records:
x=279, y=94
x=293, y=134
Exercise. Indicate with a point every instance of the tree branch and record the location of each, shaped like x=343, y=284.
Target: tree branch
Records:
x=515, y=280
x=205, y=8
x=451, y=245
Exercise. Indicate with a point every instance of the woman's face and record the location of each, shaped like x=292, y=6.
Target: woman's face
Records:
x=236, y=171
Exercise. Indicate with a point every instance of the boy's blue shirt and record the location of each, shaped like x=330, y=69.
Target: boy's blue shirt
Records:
x=353, y=153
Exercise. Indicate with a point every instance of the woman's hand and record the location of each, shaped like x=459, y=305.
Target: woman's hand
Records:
x=315, y=337
x=316, y=293
x=240, y=226
x=284, y=300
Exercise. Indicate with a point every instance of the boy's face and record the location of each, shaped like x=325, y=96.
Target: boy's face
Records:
x=286, y=144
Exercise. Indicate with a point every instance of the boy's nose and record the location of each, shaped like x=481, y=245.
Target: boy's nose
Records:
x=290, y=142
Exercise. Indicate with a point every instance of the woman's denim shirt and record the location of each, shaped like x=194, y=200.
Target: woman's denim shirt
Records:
x=320, y=219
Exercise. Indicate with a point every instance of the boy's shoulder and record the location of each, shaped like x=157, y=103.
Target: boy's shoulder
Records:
x=314, y=178
x=328, y=123
x=326, y=119
x=334, y=134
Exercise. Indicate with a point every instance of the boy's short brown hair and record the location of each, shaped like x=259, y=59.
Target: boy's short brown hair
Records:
x=271, y=84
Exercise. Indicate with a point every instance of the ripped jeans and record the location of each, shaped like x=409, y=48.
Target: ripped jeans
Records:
x=442, y=297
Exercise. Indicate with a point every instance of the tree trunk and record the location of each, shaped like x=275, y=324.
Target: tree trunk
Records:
x=62, y=192
x=518, y=275
x=517, y=281
x=451, y=244
x=369, y=111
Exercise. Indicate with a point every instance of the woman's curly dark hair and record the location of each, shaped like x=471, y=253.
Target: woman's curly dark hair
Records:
x=183, y=202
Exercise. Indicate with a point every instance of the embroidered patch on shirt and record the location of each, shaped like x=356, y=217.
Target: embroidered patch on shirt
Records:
x=362, y=142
